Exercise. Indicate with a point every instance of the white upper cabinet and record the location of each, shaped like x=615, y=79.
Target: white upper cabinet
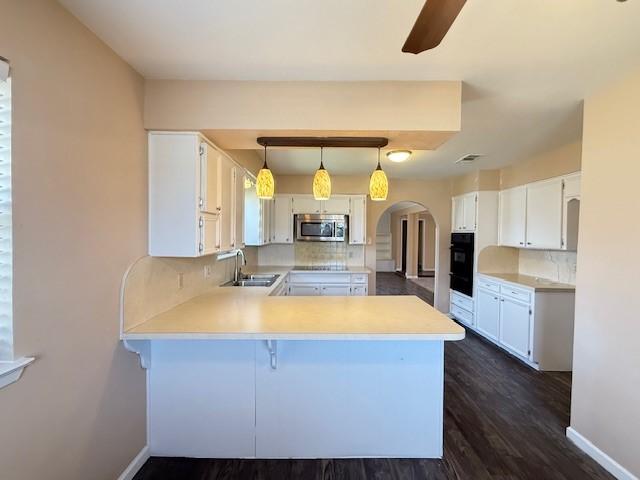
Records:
x=358, y=220
x=266, y=212
x=282, y=219
x=512, y=217
x=541, y=215
x=227, y=204
x=337, y=205
x=193, y=196
x=464, y=213
x=544, y=214
x=240, y=176
x=306, y=204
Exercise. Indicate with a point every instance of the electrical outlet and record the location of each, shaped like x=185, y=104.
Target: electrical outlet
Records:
x=180, y=280
x=208, y=271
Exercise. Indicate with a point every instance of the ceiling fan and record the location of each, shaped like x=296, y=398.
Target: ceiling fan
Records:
x=433, y=23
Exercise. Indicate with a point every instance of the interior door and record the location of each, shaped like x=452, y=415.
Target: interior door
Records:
x=282, y=219
x=514, y=326
x=488, y=313
x=544, y=214
x=209, y=178
x=404, y=245
x=336, y=205
x=513, y=217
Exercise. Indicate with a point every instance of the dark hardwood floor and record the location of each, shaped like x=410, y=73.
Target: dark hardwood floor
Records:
x=389, y=283
x=503, y=420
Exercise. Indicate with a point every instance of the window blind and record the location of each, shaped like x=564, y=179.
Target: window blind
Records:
x=6, y=250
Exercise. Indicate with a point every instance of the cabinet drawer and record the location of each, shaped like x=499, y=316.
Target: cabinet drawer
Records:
x=359, y=290
x=488, y=285
x=515, y=293
x=332, y=278
x=359, y=278
x=461, y=301
x=335, y=290
x=460, y=314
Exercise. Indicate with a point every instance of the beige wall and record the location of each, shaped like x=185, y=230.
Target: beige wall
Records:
x=430, y=241
x=480, y=180
x=553, y=163
x=606, y=362
x=79, y=198
x=419, y=115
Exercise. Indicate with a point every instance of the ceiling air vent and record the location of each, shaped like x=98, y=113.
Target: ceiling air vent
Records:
x=471, y=157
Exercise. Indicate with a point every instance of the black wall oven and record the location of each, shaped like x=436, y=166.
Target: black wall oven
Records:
x=461, y=275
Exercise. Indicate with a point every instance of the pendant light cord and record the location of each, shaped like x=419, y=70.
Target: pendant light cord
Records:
x=321, y=164
x=265, y=157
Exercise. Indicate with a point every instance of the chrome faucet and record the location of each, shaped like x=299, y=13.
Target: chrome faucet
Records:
x=237, y=273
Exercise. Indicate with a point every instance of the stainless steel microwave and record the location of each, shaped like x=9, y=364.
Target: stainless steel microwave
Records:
x=321, y=228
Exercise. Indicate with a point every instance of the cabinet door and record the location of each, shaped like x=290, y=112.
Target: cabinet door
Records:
x=265, y=221
x=336, y=205
x=359, y=291
x=306, y=204
x=209, y=234
x=457, y=214
x=358, y=220
x=282, y=220
x=335, y=290
x=469, y=216
x=210, y=160
x=239, y=207
x=304, y=290
x=514, y=326
x=513, y=214
x=227, y=203
x=544, y=214
x=488, y=313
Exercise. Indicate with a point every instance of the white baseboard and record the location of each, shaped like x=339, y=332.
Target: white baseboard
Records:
x=609, y=464
x=135, y=465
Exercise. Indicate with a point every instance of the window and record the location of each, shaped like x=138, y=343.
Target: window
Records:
x=6, y=260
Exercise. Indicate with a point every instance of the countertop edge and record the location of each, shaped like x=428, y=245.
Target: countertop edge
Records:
x=538, y=288
x=448, y=337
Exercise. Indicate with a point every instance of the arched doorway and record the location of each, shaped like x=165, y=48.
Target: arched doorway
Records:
x=406, y=251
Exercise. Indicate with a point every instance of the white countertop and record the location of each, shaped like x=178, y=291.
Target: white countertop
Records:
x=241, y=313
x=534, y=283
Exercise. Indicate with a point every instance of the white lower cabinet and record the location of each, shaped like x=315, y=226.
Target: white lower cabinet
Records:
x=534, y=324
x=304, y=290
x=342, y=284
x=515, y=326
x=462, y=308
x=336, y=290
x=488, y=313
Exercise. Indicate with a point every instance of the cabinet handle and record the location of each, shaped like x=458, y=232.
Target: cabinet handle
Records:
x=218, y=208
x=521, y=243
x=495, y=298
x=528, y=243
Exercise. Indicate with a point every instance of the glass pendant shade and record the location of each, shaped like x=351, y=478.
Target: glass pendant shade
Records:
x=378, y=184
x=265, y=184
x=321, y=182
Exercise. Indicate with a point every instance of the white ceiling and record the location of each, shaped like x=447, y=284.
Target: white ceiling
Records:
x=526, y=64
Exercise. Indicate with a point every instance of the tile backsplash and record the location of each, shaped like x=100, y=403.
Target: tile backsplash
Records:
x=312, y=253
x=557, y=266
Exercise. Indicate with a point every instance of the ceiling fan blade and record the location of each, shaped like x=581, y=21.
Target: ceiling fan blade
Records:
x=433, y=23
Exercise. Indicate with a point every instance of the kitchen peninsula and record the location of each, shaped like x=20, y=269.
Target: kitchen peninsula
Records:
x=236, y=372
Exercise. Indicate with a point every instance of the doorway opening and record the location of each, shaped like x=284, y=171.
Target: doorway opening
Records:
x=406, y=247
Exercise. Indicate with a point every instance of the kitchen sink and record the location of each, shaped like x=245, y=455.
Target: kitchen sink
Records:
x=254, y=280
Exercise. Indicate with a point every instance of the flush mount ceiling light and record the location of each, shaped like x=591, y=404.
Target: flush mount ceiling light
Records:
x=398, y=156
x=378, y=184
x=321, y=182
x=265, y=185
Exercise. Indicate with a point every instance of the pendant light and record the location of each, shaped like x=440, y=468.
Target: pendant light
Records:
x=378, y=184
x=265, y=184
x=321, y=182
